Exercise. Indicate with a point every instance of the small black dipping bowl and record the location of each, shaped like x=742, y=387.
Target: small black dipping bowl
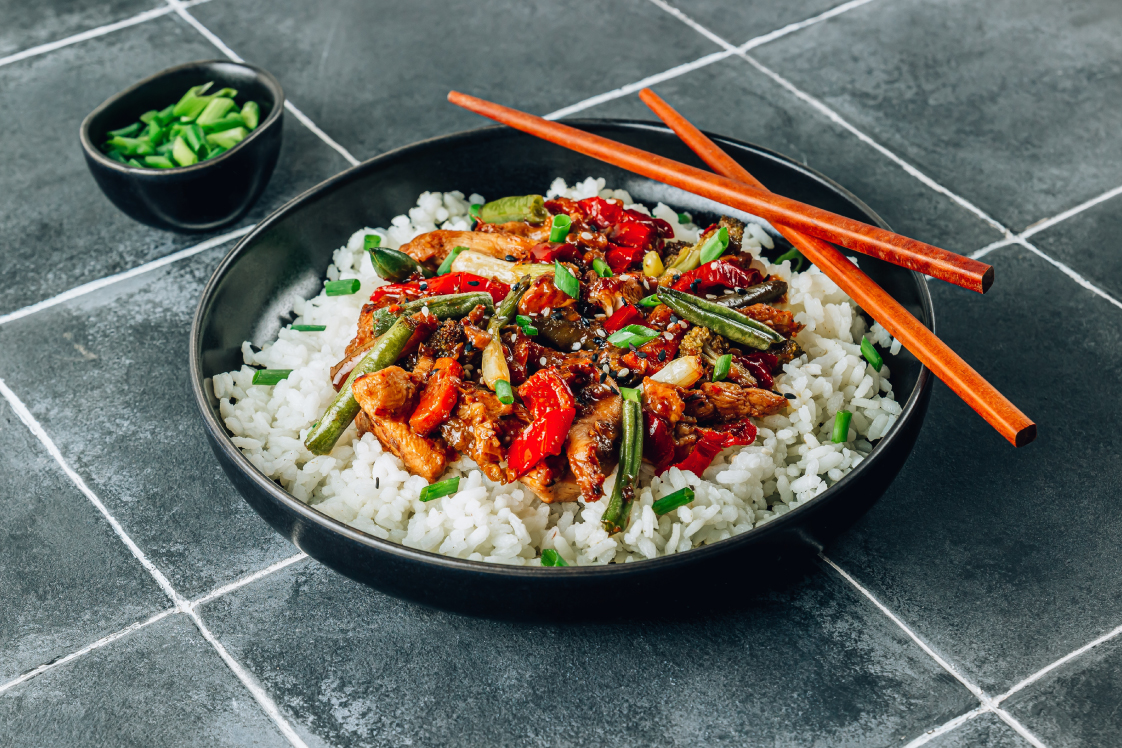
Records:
x=284, y=258
x=206, y=195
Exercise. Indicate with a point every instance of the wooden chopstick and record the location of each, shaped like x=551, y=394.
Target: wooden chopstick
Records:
x=934, y=353
x=857, y=236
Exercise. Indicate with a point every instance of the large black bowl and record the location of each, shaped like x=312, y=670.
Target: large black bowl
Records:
x=206, y=195
x=284, y=258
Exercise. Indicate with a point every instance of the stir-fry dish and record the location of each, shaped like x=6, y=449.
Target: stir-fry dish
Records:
x=566, y=348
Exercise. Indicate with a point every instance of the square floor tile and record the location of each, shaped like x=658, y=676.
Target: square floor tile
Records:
x=813, y=663
x=118, y=404
x=28, y=25
x=66, y=579
x=754, y=108
x=1090, y=243
x=1005, y=559
x=57, y=230
x=984, y=731
x=1011, y=103
x=1076, y=704
x=162, y=685
x=375, y=75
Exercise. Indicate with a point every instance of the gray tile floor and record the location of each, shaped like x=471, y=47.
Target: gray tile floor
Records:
x=142, y=603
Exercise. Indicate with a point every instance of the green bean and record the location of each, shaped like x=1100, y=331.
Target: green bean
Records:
x=761, y=293
x=630, y=458
x=683, y=305
x=505, y=311
x=529, y=208
x=394, y=265
x=720, y=310
x=449, y=306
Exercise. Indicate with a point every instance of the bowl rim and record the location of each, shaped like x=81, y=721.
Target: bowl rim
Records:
x=782, y=524
x=94, y=152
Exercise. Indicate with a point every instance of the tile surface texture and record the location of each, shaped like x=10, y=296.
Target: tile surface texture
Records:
x=28, y=25
x=984, y=731
x=163, y=685
x=1009, y=103
x=1089, y=244
x=50, y=205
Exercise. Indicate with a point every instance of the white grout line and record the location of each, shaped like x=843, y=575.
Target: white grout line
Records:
x=85, y=35
x=947, y=726
x=1059, y=663
x=109, y=280
x=181, y=10
x=978, y=692
x=1004, y=242
x=1049, y=222
x=1023, y=731
x=219, y=592
x=1069, y=272
x=86, y=649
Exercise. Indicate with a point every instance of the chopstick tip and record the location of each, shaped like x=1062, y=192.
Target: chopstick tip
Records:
x=987, y=278
x=1025, y=436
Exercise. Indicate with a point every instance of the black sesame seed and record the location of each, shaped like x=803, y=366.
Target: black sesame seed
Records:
x=473, y=283
x=789, y=396
x=742, y=291
x=614, y=390
x=662, y=355
x=603, y=376
x=424, y=286
x=641, y=354
x=673, y=320
x=695, y=283
x=510, y=258
x=468, y=347
x=377, y=483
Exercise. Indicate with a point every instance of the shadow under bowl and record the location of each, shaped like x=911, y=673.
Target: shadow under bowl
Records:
x=250, y=298
x=206, y=195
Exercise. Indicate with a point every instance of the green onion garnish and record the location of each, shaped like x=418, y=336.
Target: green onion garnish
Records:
x=446, y=266
x=182, y=153
x=564, y=280
x=551, y=557
x=872, y=355
x=841, y=427
x=601, y=268
x=125, y=132
x=159, y=162
x=504, y=392
x=473, y=211
x=443, y=488
x=666, y=504
x=794, y=256
x=715, y=245
x=270, y=376
x=370, y=241
x=632, y=335
x=684, y=218
x=309, y=328
x=343, y=287
x=721, y=370
x=650, y=301
x=526, y=324
x=630, y=393
x=560, y=229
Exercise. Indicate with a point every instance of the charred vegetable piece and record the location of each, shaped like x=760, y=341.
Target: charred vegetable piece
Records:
x=553, y=407
x=871, y=354
x=394, y=265
x=632, y=335
x=669, y=503
x=565, y=281
x=761, y=293
x=342, y=287
x=443, y=488
x=452, y=283
x=528, y=208
x=721, y=320
x=439, y=397
x=716, y=275
x=493, y=365
x=713, y=441
x=630, y=458
x=270, y=376
x=450, y=306
x=841, y=427
x=551, y=557
x=446, y=265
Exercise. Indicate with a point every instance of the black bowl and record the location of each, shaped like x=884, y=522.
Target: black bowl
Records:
x=209, y=194
x=285, y=257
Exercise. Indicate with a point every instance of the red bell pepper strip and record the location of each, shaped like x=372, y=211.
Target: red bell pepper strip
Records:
x=658, y=442
x=600, y=212
x=546, y=392
x=716, y=274
x=760, y=364
x=619, y=259
x=633, y=234
x=439, y=397
x=713, y=441
x=624, y=316
x=553, y=407
x=548, y=252
x=440, y=286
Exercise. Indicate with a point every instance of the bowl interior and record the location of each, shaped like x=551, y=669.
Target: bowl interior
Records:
x=251, y=294
x=168, y=86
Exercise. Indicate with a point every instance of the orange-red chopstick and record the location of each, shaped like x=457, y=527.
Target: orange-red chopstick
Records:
x=934, y=353
x=857, y=236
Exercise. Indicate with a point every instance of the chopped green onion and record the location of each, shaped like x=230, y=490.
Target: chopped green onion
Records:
x=684, y=218
x=715, y=245
x=526, y=324
x=215, y=151
x=721, y=370
x=342, y=287
x=443, y=488
x=148, y=116
x=473, y=211
x=192, y=103
x=601, y=268
x=270, y=376
x=214, y=111
x=872, y=355
x=565, y=281
x=251, y=114
x=650, y=301
x=137, y=164
x=560, y=229
x=551, y=557
x=630, y=393
x=182, y=153
x=160, y=162
x=227, y=138
x=794, y=256
x=229, y=122
x=504, y=392
x=195, y=138
x=632, y=335
x=841, y=427
x=446, y=266
x=116, y=156
x=309, y=328
x=370, y=241
x=667, y=504
x=125, y=132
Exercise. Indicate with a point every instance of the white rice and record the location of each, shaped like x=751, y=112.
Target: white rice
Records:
x=791, y=461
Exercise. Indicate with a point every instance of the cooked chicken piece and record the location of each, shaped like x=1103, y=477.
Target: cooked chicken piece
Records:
x=478, y=338
x=782, y=322
x=387, y=393
x=475, y=429
x=551, y=481
x=592, y=438
x=543, y=297
x=424, y=457
x=362, y=342
x=725, y=401
x=536, y=233
x=611, y=293
x=436, y=245
x=387, y=398
x=664, y=400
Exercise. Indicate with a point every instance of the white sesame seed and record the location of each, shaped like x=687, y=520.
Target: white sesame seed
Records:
x=668, y=335
x=624, y=372
x=605, y=369
x=710, y=295
x=576, y=346
x=424, y=310
x=542, y=361
x=600, y=333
